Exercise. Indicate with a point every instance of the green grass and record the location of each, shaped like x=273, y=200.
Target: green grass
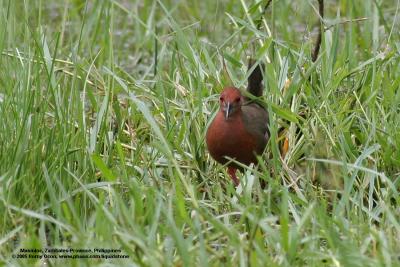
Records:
x=104, y=107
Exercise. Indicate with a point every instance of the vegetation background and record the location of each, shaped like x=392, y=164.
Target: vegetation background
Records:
x=104, y=107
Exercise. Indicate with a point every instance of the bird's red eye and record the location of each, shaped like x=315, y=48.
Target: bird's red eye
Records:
x=237, y=99
x=221, y=99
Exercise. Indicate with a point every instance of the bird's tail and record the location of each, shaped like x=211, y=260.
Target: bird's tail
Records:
x=255, y=80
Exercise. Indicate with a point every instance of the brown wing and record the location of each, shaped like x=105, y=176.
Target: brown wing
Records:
x=255, y=120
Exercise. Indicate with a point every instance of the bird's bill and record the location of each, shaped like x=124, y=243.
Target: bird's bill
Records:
x=228, y=110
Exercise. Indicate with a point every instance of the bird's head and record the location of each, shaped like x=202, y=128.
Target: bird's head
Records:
x=230, y=101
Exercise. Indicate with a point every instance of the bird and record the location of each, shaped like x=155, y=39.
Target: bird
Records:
x=240, y=128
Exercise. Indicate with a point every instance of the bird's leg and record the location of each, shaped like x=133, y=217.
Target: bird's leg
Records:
x=232, y=173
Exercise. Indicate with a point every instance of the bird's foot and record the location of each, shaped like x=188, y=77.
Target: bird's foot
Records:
x=232, y=173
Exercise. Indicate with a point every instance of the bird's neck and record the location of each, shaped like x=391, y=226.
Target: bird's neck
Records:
x=232, y=117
